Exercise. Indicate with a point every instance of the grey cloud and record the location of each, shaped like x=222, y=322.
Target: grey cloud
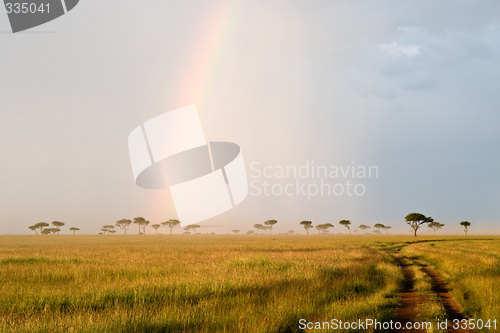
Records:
x=418, y=59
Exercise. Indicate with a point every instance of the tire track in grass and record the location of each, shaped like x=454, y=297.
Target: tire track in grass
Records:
x=407, y=310
x=451, y=306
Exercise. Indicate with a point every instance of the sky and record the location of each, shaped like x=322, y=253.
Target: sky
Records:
x=410, y=88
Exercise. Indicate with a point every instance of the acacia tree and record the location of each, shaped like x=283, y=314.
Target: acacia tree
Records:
x=307, y=225
x=48, y=231
x=171, y=224
x=415, y=220
x=32, y=227
x=291, y=232
x=379, y=226
x=41, y=225
x=346, y=224
x=58, y=225
x=124, y=224
x=435, y=226
x=386, y=228
x=236, y=231
x=363, y=227
x=108, y=228
x=266, y=228
x=192, y=227
x=323, y=228
x=156, y=226
x=466, y=225
x=270, y=224
x=74, y=229
x=249, y=232
x=142, y=223
x=259, y=227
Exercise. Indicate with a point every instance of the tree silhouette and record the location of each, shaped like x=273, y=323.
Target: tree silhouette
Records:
x=111, y=231
x=236, y=231
x=291, y=232
x=466, y=225
x=32, y=227
x=415, y=220
x=364, y=227
x=307, y=225
x=249, y=232
x=124, y=224
x=346, y=224
x=48, y=231
x=266, y=228
x=323, y=228
x=192, y=227
x=155, y=226
x=142, y=223
x=41, y=225
x=259, y=227
x=386, y=228
x=435, y=226
x=107, y=228
x=58, y=225
x=74, y=229
x=379, y=226
x=171, y=224
x=270, y=224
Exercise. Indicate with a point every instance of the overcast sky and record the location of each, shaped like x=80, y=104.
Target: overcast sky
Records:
x=409, y=87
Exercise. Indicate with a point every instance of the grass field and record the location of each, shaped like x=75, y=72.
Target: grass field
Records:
x=472, y=270
x=224, y=283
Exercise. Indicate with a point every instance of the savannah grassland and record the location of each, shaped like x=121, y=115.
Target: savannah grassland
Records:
x=230, y=283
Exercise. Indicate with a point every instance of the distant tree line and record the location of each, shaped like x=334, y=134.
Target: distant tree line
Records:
x=142, y=224
x=414, y=220
x=268, y=226
x=43, y=228
x=323, y=228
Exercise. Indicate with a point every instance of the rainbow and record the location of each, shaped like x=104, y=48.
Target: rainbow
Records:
x=205, y=59
x=202, y=62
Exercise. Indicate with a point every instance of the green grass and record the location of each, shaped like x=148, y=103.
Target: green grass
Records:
x=196, y=283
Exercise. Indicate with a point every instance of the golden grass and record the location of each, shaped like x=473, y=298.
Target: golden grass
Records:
x=191, y=283
x=471, y=267
x=229, y=283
